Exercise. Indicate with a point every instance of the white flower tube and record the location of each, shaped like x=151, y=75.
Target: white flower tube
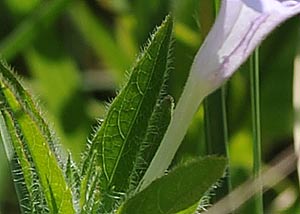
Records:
x=240, y=26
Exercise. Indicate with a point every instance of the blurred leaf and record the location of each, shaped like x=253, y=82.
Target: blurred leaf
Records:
x=21, y=9
x=241, y=150
x=27, y=31
x=277, y=67
x=214, y=124
x=178, y=190
x=115, y=5
x=125, y=37
x=238, y=100
x=147, y=15
x=187, y=12
x=119, y=139
x=186, y=35
x=53, y=71
x=24, y=132
x=206, y=16
x=100, y=39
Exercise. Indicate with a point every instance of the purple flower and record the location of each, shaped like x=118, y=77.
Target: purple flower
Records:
x=238, y=30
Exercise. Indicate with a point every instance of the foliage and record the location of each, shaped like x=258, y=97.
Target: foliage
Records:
x=117, y=154
x=73, y=55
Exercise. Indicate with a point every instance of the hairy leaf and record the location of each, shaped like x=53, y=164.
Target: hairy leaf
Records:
x=157, y=127
x=25, y=132
x=89, y=191
x=119, y=139
x=27, y=185
x=72, y=175
x=178, y=190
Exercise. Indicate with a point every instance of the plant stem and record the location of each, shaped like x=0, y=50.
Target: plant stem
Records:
x=225, y=133
x=255, y=104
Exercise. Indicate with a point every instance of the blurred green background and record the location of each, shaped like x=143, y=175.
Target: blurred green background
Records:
x=73, y=56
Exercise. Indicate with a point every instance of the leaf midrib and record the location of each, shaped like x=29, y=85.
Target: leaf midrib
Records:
x=135, y=116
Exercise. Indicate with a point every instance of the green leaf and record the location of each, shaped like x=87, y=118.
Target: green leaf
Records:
x=157, y=127
x=89, y=191
x=178, y=190
x=19, y=10
x=119, y=139
x=73, y=179
x=27, y=185
x=27, y=31
x=32, y=141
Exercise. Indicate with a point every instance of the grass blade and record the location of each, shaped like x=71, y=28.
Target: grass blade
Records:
x=255, y=103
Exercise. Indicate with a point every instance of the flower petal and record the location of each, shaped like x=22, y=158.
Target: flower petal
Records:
x=239, y=28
